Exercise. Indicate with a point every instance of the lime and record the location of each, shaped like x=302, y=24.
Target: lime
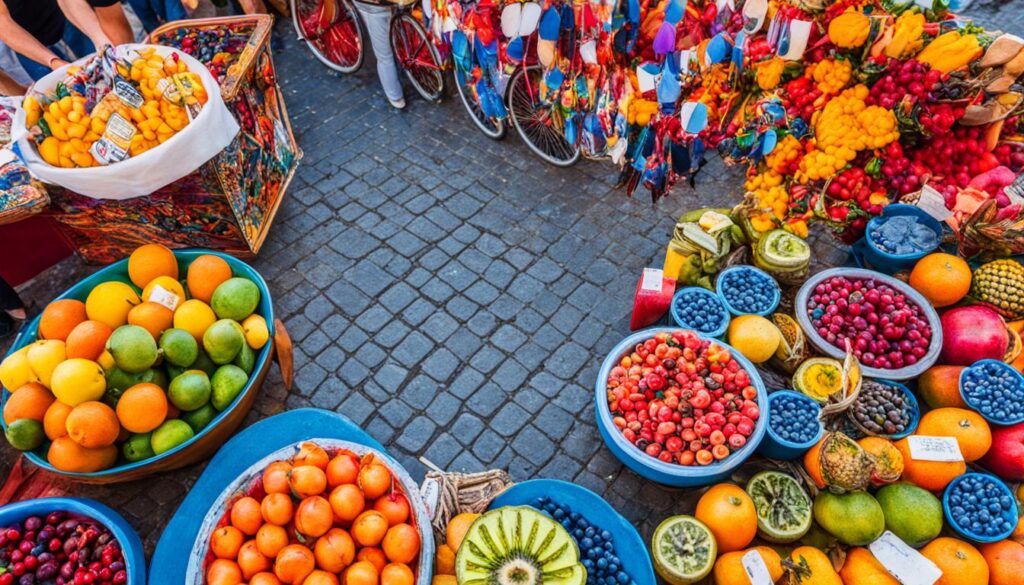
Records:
x=25, y=434
x=179, y=347
x=246, y=359
x=119, y=380
x=190, y=390
x=204, y=363
x=223, y=340
x=235, y=298
x=783, y=508
x=133, y=348
x=174, y=371
x=227, y=382
x=138, y=447
x=169, y=435
x=911, y=513
x=854, y=518
x=200, y=417
x=684, y=550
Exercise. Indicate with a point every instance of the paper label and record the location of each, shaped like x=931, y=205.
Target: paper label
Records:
x=934, y=448
x=932, y=203
x=127, y=93
x=652, y=279
x=430, y=491
x=906, y=564
x=113, y=146
x=926, y=4
x=792, y=48
x=757, y=570
x=162, y=296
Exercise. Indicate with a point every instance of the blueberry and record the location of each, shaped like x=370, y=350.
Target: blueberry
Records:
x=602, y=563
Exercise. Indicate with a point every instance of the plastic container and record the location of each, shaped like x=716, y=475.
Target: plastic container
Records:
x=651, y=467
x=223, y=425
x=776, y=292
x=679, y=320
x=914, y=407
x=892, y=263
x=774, y=446
x=629, y=546
x=1011, y=514
x=131, y=545
x=904, y=373
x=973, y=403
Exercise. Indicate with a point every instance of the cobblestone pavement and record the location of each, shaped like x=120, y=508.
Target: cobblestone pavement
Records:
x=453, y=295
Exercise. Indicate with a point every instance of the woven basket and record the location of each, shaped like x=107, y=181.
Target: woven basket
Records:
x=463, y=492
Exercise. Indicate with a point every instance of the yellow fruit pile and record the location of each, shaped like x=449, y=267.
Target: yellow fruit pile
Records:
x=950, y=51
x=769, y=73
x=906, y=36
x=771, y=197
x=831, y=75
x=785, y=154
x=70, y=128
x=849, y=30
x=641, y=110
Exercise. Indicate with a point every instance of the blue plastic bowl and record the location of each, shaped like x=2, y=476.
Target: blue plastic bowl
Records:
x=892, y=263
x=630, y=548
x=776, y=292
x=650, y=467
x=131, y=546
x=915, y=410
x=973, y=403
x=679, y=320
x=119, y=271
x=774, y=446
x=1010, y=515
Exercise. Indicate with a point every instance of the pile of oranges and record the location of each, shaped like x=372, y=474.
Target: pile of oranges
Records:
x=317, y=519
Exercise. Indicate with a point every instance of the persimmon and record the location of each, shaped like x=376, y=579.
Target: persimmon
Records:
x=275, y=477
x=277, y=509
x=335, y=550
x=361, y=573
x=246, y=515
x=307, y=480
x=347, y=501
x=397, y=574
x=251, y=560
x=311, y=454
x=223, y=572
x=401, y=543
x=375, y=480
x=369, y=528
x=320, y=578
x=270, y=539
x=293, y=564
x=344, y=468
x=264, y=578
x=374, y=556
x=313, y=516
x=225, y=542
x=394, y=506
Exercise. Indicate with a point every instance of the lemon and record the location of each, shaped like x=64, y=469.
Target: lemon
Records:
x=194, y=316
x=755, y=337
x=15, y=370
x=109, y=303
x=106, y=361
x=43, y=356
x=169, y=285
x=78, y=380
x=256, y=331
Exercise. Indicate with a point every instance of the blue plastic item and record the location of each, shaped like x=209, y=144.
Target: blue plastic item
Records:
x=775, y=293
x=629, y=547
x=131, y=545
x=892, y=263
x=119, y=271
x=972, y=401
x=651, y=467
x=774, y=446
x=911, y=401
x=962, y=531
x=680, y=320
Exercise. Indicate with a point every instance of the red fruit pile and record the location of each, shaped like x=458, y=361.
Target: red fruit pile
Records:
x=62, y=550
x=683, y=399
x=909, y=78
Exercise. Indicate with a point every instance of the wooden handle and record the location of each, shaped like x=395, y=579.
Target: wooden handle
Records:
x=283, y=351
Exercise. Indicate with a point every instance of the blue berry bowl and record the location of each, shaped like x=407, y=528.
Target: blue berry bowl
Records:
x=995, y=390
x=746, y=290
x=793, y=425
x=985, y=498
x=697, y=308
x=888, y=262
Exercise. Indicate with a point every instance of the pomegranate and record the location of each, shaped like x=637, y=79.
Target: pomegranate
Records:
x=972, y=333
x=1006, y=456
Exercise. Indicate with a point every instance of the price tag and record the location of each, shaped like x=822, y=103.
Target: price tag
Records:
x=905, y=563
x=757, y=570
x=127, y=93
x=934, y=448
x=431, y=493
x=652, y=279
x=162, y=296
x=932, y=203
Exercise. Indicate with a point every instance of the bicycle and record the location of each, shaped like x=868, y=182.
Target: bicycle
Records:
x=333, y=32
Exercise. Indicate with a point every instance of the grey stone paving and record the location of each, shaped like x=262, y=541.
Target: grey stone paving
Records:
x=453, y=295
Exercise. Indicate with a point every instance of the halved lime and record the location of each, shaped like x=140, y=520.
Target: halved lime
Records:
x=684, y=550
x=783, y=508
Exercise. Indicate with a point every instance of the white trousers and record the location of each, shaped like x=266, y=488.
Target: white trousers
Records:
x=378, y=28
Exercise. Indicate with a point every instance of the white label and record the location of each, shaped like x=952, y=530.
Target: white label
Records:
x=162, y=296
x=431, y=493
x=932, y=203
x=926, y=4
x=905, y=563
x=934, y=448
x=757, y=570
x=652, y=279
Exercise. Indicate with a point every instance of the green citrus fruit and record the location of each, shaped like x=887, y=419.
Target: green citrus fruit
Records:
x=684, y=550
x=854, y=518
x=169, y=435
x=223, y=340
x=133, y=348
x=235, y=298
x=204, y=363
x=25, y=434
x=227, y=382
x=179, y=347
x=190, y=390
x=138, y=447
x=911, y=513
x=246, y=358
x=783, y=508
x=200, y=417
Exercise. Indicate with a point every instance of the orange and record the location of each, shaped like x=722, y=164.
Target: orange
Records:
x=397, y=574
x=275, y=477
x=55, y=421
x=93, y=424
x=347, y=501
x=862, y=567
x=265, y=578
x=941, y=278
x=394, y=506
x=812, y=464
x=31, y=400
x=1005, y=562
x=344, y=468
x=375, y=480
x=458, y=527
x=374, y=556
x=369, y=528
x=226, y=541
x=251, y=560
x=939, y=386
x=971, y=431
x=933, y=476
x=729, y=513
x=320, y=578
x=150, y=261
x=67, y=455
x=401, y=543
x=311, y=454
x=960, y=563
x=729, y=567
x=152, y=317
x=1018, y=532
x=277, y=509
x=307, y=480
x=270, y=539
x=205, y=274
x=60, y=317
x=334, y=551
x=142, y=408
x=313, y=516
x=293, y=564
x=361, y=573
x=811, y=566
x=223, y=572
x=444, y=560
x=246, y=516
x=444, y=580
x=87, y=340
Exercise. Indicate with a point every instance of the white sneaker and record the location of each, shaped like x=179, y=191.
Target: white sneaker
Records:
x=398, y=104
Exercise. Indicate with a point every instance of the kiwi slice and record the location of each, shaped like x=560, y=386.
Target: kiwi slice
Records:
x=517, y=545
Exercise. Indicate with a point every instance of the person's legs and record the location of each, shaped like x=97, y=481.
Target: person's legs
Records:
x=76, y=40
x=173, y=10
x=147, y=15
x=35, y=70
x=378, y=28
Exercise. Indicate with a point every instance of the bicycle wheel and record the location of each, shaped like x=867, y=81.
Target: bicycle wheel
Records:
x=417, y=56
x=336, y=40
x=493, y=128
x=533, y=120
